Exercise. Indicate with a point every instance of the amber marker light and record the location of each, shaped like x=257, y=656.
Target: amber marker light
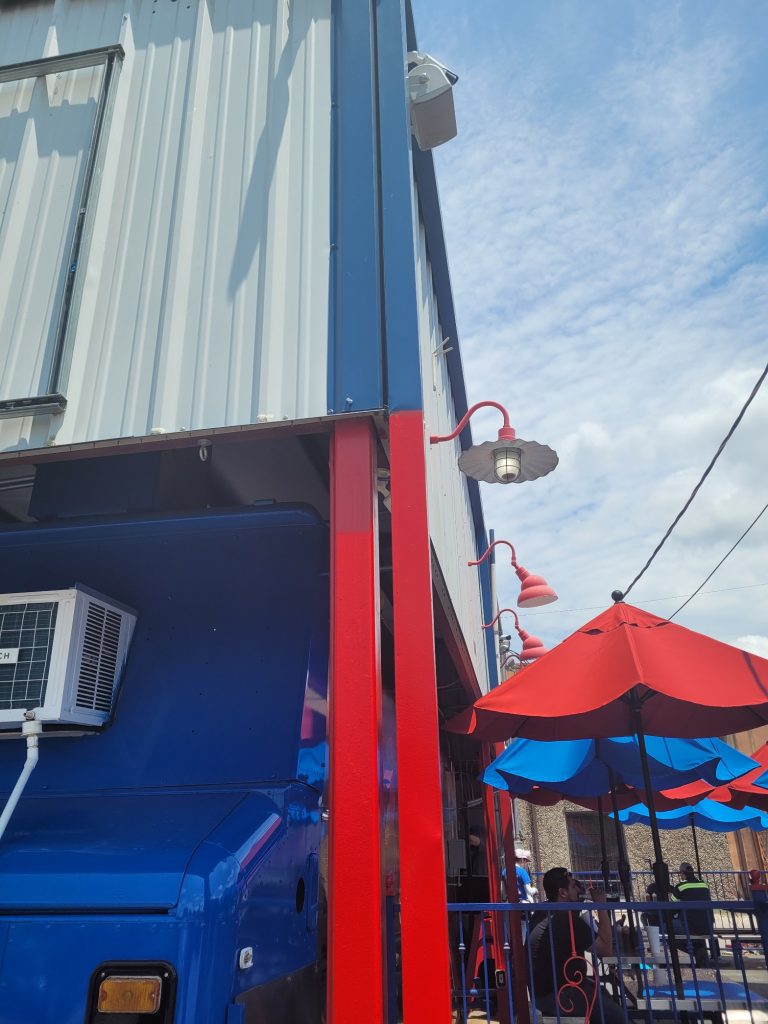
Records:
x=125, y=994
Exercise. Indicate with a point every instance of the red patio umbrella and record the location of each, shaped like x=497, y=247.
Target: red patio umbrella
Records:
x=626, y=796
x=626, y=670
x=742, y=792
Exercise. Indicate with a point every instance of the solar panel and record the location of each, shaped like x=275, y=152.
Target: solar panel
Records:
x=26, y=640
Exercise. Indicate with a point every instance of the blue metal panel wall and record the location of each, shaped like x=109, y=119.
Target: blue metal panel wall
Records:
x=355, y=378
x=489, y=611
x=397, y=191
x=419, y=314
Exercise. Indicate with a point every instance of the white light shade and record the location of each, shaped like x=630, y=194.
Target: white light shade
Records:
x=506, y=464
x=480, y=460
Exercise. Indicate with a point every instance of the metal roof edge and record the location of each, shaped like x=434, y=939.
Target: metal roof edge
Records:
x=429, y=205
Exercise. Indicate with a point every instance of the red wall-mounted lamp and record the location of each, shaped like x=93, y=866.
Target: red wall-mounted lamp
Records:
x=535, y=591
x=532, y=648
x=507, y=460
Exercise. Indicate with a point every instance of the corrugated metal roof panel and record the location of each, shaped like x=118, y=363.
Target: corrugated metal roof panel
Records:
x=205, y=296
x=451, y=521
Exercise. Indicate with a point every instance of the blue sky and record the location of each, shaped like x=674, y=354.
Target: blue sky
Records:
x=606, y=215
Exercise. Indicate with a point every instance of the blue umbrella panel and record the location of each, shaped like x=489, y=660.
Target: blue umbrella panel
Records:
x=588, y=768
x=595, y=767
x=707, y=814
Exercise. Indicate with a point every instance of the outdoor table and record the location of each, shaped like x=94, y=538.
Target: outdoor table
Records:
x=726, y=966
x=639, y=959
x=706, y=995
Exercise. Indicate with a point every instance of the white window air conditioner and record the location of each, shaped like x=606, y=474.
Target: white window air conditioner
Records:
x=61, y=655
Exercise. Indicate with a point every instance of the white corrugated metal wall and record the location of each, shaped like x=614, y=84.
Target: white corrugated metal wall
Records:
x=205, y=298
x=450, y=514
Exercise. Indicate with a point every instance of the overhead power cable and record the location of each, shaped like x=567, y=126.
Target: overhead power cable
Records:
x=696, y=489
x=646, y=600
x=741, y=538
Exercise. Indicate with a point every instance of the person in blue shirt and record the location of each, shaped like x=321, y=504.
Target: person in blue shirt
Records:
x=526, y=891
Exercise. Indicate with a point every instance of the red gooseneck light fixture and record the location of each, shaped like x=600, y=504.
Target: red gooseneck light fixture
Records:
x=532, y=648
x=535, y=591
x=507, y=460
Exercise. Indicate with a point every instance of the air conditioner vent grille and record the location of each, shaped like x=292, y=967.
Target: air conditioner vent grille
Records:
x=26, y=636
x=98, y=667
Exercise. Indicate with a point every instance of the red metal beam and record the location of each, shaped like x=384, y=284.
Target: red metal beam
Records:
x=355, y=890
x=507, y=822
x=492, y=848
x=424, y=918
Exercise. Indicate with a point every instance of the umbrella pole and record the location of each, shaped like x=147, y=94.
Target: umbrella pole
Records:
x=660, y=869
x=605, y=868
x=696, y=846
x=624, y=873
x=625, y=876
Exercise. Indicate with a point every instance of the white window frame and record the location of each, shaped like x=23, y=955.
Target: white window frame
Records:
x=52, y=399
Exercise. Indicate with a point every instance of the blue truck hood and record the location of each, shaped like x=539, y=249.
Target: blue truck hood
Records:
x=110, y=852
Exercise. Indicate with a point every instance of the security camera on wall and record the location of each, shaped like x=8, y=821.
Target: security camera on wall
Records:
x=430, y=92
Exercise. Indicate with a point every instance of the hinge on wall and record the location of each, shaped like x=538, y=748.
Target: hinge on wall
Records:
x=442, y=350
x=34, y=406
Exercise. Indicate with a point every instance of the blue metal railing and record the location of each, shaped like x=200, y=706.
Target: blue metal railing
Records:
x=723, y=885
x=692, y=960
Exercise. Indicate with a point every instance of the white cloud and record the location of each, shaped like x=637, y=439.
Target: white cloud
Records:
x=753, y=644
x=606, y=233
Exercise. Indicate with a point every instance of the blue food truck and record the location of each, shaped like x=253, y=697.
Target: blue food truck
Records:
x=166, y=860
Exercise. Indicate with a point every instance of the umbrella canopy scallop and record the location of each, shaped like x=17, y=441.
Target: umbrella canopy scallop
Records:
x=745, y=791
x=626, y=669
x=707, y=814
x=590, y=768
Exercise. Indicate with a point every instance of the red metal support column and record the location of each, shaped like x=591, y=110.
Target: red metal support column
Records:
x=424, y=918
x=519, y=962
x=355, y=889
x=493, y=861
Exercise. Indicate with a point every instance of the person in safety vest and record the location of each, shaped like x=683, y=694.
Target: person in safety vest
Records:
x=694, y=924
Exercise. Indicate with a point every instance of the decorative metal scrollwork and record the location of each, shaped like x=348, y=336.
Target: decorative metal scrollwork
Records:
x=575, y=974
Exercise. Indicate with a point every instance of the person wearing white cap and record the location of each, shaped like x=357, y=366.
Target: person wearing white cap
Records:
x=526, y=891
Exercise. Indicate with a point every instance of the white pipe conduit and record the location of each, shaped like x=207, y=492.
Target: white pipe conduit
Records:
x=32, y=729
